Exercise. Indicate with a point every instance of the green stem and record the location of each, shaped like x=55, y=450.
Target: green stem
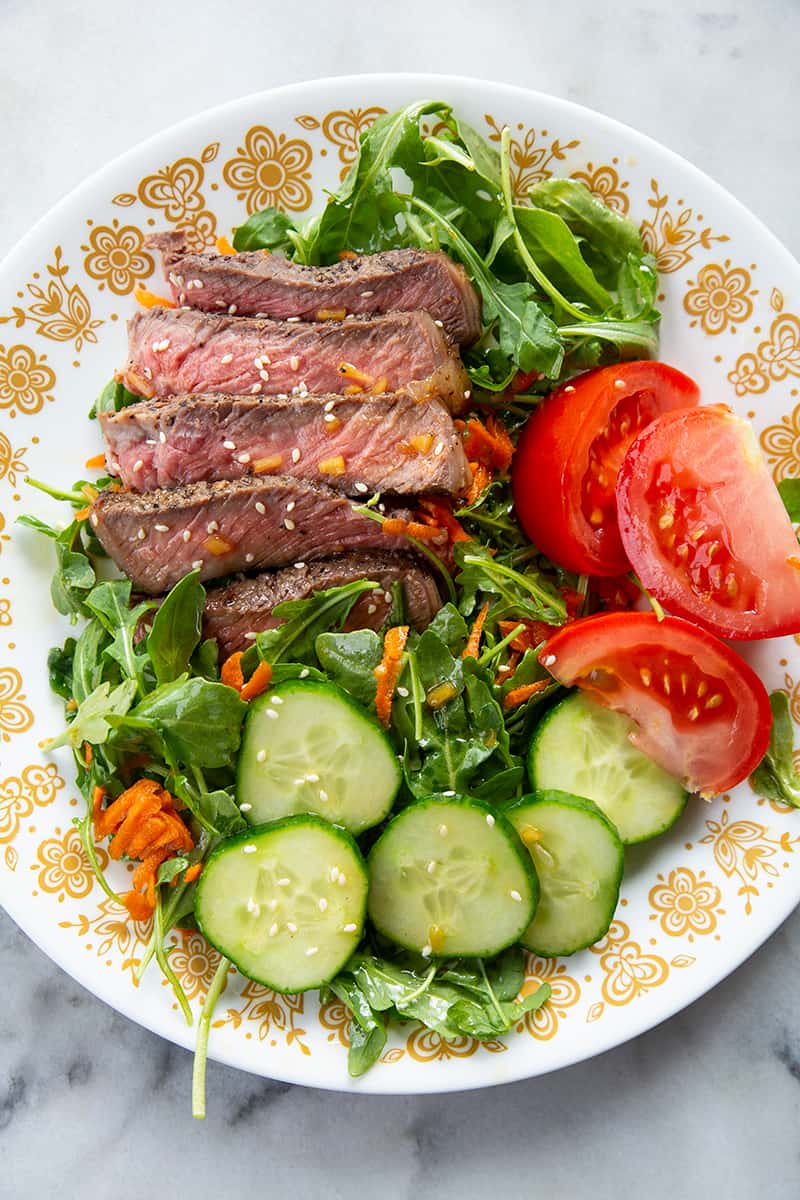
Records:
x=533, y=267
x=638, y=335
x=416, y=692
x=539, y=594
x=493, y=651
x=651, y=600
x=87, y=841
x=76, y=498
x=201, y=1046
x=432, y=558
x=161, y=958
x=423, y=987
x=490, y=990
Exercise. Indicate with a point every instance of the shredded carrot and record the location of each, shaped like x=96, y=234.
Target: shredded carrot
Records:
x=534, y=633
x=82, y=513
x=387, y=671
x=149, y=299
x=488, y=444
x=360, y=377
x=343, y=254
x=442, y=514
x=95, y=462
x=258, y=682
x=520, y=694
x=90, y=492
x=332, y=466
x=224, y=246
x=88, y=753
x=217, y=545
x=192, y=872
x=474, y=640
x=271, y=463
x=398, y=527
x=231, y=673
x=143, y=823
x=481, y=478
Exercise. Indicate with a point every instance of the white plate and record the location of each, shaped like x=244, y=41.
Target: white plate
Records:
x=695, y=903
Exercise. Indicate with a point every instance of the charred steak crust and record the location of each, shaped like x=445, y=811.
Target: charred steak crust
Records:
x=270, y=285
x=180, y=351
x=245, y=606
x=390, y=443
x=228, y=526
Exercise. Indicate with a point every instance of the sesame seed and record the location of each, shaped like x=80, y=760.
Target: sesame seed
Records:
x=271, y=904
x=619, y=384
x=257, y=363
x=248, y=558
x=137, y=466
x=261, y=756
x=290, y=506
x=350, y=928
x=226, y=358
x=402, y=691
x=295, y=455
x=245, y=807
x=311, y=950
x=273, y=929
x=371, y=608
x=387, y=597
x=304, y=674
x=276, y=700
x=292, y=320
x=289, y=523
x=329, y=405
x=186, y=535
x=439, y=324
x=342, y=880
x=229, y=445
x=362, y=488
x=515, y=896
x=299, y=782
x=162, y=437
x=260, y=507
x=197, y=564
x=426, y=951
x=251, y=635
x=195, y=283
x=243, y=458
x=438, y=448
x=548, y=660
x=299, y=566
x=328, y=417
x=161, y=528
x=448, y=793
x=322, y=904
x=253, y=907
x=366, y=295
x=284, y=882
x=442, y=831
x=94, y=518
x=249, y=848
x=291, y=927
x=255, y=389
x=231, y=309
x=467, y=394
x=489, y=820
x=312, y=777
x=334, y=874
x=264, y=375
x=212, y=526
x=431, y=867
x=141, y=535
x=271, y=713
x=294, y=362
x=162, y=345
x=323, y=795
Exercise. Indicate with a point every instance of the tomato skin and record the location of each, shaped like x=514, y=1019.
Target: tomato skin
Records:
x=562, y=444
x=702, y=713
x=705, y=528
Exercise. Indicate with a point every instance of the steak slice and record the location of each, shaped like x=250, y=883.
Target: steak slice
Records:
x=245, y=606
x=175, y=352
x=268, y=285
x=224, y=527
x=390, y=443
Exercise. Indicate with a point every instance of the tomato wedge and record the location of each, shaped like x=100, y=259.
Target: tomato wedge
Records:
x=703, y=714
x=705, y=528
x=566, y=464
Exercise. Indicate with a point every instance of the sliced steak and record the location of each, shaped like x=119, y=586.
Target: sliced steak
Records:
x=268, y=285
x=245, y=606
x=175, y=352
x=220, y=528
x=390, y=443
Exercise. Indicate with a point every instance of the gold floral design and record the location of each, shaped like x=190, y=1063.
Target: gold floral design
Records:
x=673, y=235
x=270, y=169
x=629, y=972
x=721, y=297
x=343, y=128
x=564, y=993
x=604, y=182
x=15, y=716
x=688, y=904
x=529, y=162
x=4, y=537
x=176, y=191
x=12, y=462
x=26, y=381
x=113, y=933
x=63, y=868
x=271, y=1012
x=335, y=1017
x=425, y=1045
x=5, y=611
x=748, y=376
x=35, y=787
x=781, y=444
x=115, y=256
x=194, y=962
x=59, y=311
x=747, y=850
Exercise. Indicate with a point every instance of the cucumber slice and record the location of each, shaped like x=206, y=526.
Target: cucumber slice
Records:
x=583, y=748
x=450, y=877
x=307, y=747
x=285, y=902
x=579, y=859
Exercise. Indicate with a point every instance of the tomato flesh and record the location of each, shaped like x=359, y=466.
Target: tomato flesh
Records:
x=566, y=465
x=702, y=713
x=705, y=528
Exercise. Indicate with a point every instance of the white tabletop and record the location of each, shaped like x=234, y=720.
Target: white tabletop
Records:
x=708, y=1104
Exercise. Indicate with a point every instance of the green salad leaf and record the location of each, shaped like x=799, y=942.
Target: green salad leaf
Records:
x=790, y=495
x=775, y=777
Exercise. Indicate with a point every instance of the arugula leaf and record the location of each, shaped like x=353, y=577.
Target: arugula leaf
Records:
x=87, y=665
x=790, y=495
x=269, y=229
x=60, y=660
x=113, y=398
x=304, y=620
x=557, y=252
x=110, y=603
x=175, y=632
x=775, y=777
x=523, y=593
x=199, y=721
x=171, y=869
x=216, y=811
x=205, y=659
x=350, y=659
x=91, y=722
x=450, y=627
x=74, y=576
x=608, y=237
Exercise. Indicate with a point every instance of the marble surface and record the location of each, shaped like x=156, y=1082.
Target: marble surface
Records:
x=706, y=1105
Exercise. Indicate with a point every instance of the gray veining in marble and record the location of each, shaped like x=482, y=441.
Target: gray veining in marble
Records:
x=708, y=1105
